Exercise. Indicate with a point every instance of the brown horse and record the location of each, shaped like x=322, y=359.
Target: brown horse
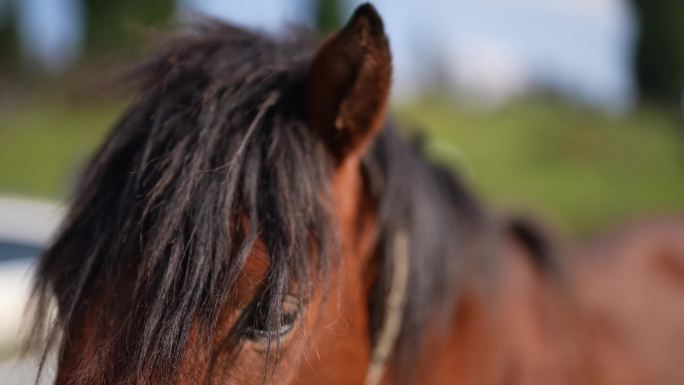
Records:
x=252, y=219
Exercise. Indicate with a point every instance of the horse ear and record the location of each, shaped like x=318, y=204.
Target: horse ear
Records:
x=348, y=84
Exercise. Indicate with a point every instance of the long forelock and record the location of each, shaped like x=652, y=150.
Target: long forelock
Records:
x=214, y=138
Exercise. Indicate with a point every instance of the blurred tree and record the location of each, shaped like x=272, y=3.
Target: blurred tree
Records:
x=112, y=24
x=659, y=60
x=9, y=42
x=327, y=15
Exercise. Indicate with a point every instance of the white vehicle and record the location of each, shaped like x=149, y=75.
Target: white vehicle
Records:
x=26, y=227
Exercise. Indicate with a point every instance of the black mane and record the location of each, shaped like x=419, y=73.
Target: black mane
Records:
x=215, y=134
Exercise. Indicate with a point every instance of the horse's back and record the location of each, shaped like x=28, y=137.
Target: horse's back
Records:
x=629, y=286
x=607, y=313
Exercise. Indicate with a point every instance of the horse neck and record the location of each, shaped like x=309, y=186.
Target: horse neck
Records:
x=475, y=283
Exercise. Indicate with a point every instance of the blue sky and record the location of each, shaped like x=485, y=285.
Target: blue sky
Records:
x=580, y=47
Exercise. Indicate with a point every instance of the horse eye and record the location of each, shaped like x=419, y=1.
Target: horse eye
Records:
x=256, y=326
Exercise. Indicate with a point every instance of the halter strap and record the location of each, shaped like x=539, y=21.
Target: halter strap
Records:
x=394, y=311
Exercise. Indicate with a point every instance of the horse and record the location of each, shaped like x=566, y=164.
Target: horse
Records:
x=255, y=217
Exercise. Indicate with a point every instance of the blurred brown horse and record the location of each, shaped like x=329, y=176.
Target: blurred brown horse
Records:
x=252, y=219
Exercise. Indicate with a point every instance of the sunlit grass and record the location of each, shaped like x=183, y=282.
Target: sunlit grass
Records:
x=568, y=165
x=44, y=144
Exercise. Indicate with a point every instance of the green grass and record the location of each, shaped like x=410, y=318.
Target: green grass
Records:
x=567, y=165
x=44, y=144
x=572, y=166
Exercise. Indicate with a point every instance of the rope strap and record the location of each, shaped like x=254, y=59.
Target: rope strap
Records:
x=394, y=311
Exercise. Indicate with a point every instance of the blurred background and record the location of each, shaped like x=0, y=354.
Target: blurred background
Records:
x=570, y=110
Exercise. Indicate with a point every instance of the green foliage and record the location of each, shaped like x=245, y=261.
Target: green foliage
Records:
x=328, y=15
x=659, y=60
x=117, y=24
x=9, y=42
x=110, y=26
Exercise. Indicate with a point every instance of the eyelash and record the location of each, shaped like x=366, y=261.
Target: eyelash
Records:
x=255, y=326
x=257, y=330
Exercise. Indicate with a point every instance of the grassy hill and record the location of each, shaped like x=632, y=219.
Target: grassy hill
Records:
x=568, y=165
